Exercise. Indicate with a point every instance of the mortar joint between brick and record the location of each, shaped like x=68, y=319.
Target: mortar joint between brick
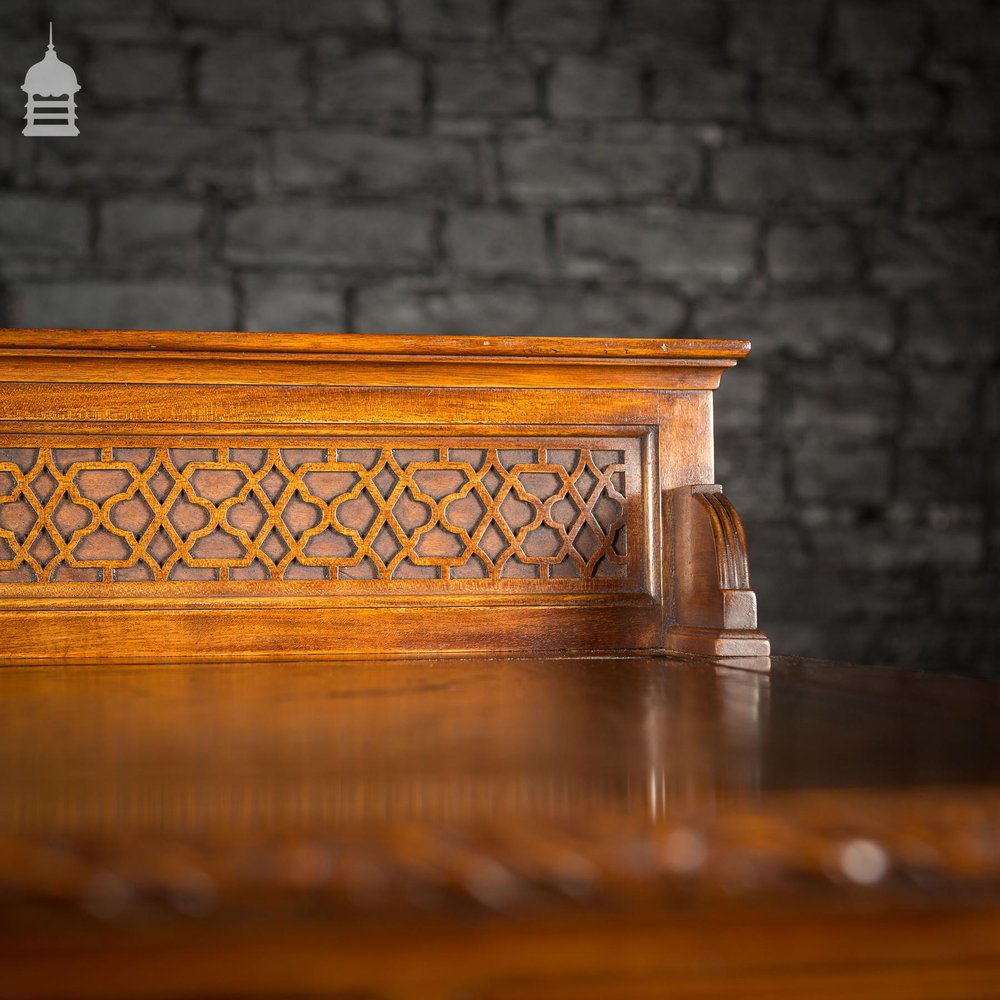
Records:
x=93, y=228
x=239, y=318
x=439, y=240
x=826, y=38
x=647, y=89
x=350, y=303
x=428, y=93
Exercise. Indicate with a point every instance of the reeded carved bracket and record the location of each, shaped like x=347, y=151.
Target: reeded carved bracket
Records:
x=715, y=611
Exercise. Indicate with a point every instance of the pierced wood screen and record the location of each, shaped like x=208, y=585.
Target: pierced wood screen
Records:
x=248, y=514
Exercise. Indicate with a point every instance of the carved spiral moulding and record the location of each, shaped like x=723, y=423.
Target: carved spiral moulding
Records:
x=241, y=512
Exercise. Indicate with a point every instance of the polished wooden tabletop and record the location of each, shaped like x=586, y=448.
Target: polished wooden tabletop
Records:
x=138, y=796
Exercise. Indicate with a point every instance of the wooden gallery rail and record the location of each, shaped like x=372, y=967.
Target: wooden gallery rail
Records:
x=168, y=495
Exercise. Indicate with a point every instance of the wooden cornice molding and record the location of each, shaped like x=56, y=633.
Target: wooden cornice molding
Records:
x=365, y=360
x=317, y=495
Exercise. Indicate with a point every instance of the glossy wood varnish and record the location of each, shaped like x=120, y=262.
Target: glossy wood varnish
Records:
x=598, y=827
x=174, y=494
x=196, y=801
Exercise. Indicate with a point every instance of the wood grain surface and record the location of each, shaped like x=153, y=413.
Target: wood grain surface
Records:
x=169, y=494
x=589, y=828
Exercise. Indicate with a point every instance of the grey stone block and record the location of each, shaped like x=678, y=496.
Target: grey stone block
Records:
x=314, y=234
x=516, y=310
x=42, y=227
x=151, y=231
x=842, y=403
x=104, y=20
x=447, y=20
x=478, y=87
x=740, y=405
x=975, y=115
x=811, y=253
x=144, y=151
x=762, y=176
x=490, y=241
x=947, y=183
x=126, y=75
x=769, y=34
x=939, y=254
x=381, y=82
x=19, y=15
x=685, y=27
x=941, y=408
x=298, y=16
x=751, y=472
x=957, y=328
x=837, y=475
x=367, y=163
x=559, y=168
x=291, y=303
x=877, y=39
x=805, y=105
x=150, y=305
x=877, y=548
x=898, y=107
x=951, y=473
x=359, y=17
x=582, y=88
x=671, y=244
x=250, y=73
x=690, y=90
x=555, y=22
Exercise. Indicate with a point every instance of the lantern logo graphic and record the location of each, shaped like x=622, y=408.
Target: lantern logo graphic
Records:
x=51, y=87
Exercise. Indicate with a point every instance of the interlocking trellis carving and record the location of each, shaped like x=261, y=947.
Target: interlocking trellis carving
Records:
x=487, y=511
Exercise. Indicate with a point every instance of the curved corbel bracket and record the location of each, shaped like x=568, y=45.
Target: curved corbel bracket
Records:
x=714, y=609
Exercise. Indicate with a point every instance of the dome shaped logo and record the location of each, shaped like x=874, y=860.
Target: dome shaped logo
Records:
x=51, y=87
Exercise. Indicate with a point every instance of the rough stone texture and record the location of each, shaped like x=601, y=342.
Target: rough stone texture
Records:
x=433, y=21
x=695, y=91
x=312, y=233
x=819, y=176
x=555, y=22
x=486, y=241
x=151, y=231
x=878, y=39
x=359, y=162
x=608, y=166
x=112, y=79
x=815, y=253
x=478, y=87
x=791, y=177
x=122, y=305
x=769, y=34
x=810, y=326
x=594, y=88
x=380, y=82
x=291, y=304
x=42, y=226
x=250, y=74
x=668, y=244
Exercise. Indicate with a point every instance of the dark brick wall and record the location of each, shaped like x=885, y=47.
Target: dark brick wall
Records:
x=821, y=176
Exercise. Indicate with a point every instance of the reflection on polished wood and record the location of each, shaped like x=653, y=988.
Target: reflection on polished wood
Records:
x=501, y=828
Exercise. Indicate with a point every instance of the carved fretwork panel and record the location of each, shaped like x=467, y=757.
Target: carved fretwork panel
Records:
x=323, y=515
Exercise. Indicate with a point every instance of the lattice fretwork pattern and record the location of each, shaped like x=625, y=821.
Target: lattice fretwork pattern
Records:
x=160, y=514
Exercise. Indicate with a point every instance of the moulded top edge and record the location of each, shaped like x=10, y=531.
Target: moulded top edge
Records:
x=367, y=346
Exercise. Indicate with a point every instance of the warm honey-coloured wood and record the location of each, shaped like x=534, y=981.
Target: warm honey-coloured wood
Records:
x=715, y=611
x=172, y=494
x=595, y=828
